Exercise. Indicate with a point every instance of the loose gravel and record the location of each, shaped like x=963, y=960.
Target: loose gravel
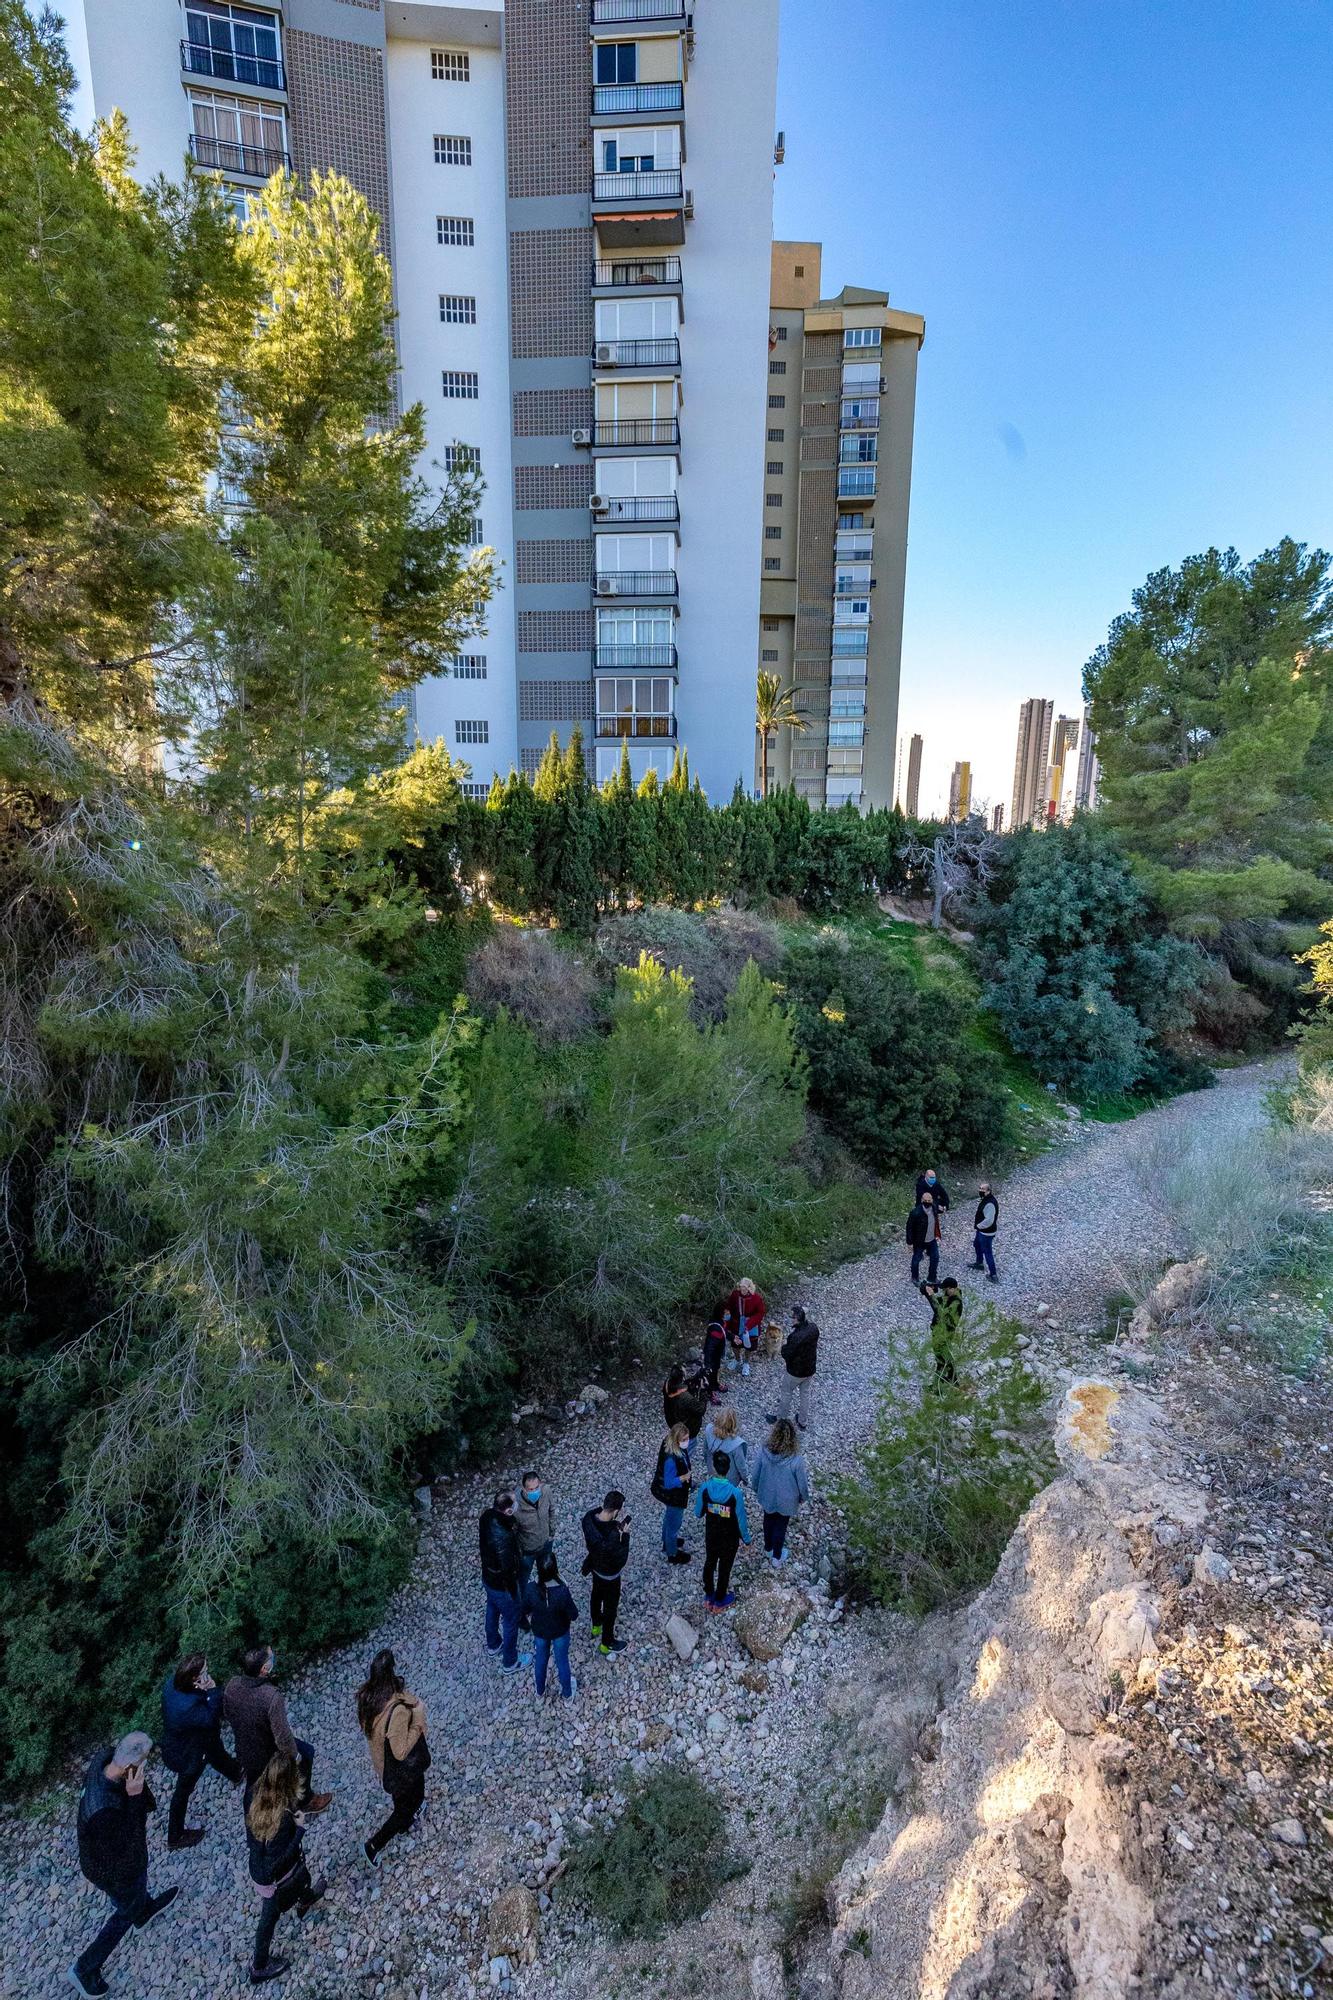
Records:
x=514, y=1778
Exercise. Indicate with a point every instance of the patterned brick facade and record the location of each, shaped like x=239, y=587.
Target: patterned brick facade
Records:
x=550, y=306
x=548, y=84
x=551, y=412
x=552, y=485
x=555, y=701
x=337, y=114
x=553, y=562
x=555, y=631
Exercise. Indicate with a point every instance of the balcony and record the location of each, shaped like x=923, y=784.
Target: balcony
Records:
x=634, y=658
x=656, y=354
x=635, y=211
x=614, y=13
x=227, y=157
x=613, y=100
x=263, y=72
x=651, y=585
x=856, y=482
x=646, y=277
x=636, y=725
x=636, y=434
x=637, y=510
x=662, y=184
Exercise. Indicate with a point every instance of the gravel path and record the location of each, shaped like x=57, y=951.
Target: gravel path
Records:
x=513, y=1778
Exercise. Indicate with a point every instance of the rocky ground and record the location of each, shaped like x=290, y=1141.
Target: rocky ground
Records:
x=803, y=1749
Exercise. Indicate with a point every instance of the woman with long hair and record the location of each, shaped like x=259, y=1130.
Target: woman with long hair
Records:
x=781, y=1484
x=273, y=1835
x=393, y=1722
x=671, y=1488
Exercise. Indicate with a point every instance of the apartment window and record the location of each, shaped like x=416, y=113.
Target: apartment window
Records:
x=850, y=639
x=451, y=66
x=456, y=229
x=460, y=382
x=859, y=448
x=777, y=402
x=772, y=499
x=862, y=336
x=237, y=135
x=235, y=44
x=769, y=653
x=458, y=309
x=469, y=666
x=782, y=333
x=476, y=533
x=473, y=788
x=856, y=482
x=774, y=468
x=472, y=732
x=768, y=624
x=777, y=436
x=772, y=534
x=617, y=62
x=846, y=732
x=456, y=455
x=777, y=367
x=452, y=150
x=639, y=707
x=772, y=562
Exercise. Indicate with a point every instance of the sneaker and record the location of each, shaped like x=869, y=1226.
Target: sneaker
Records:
x=495, y=1651
x=371, y=1856
x=316, y=1894
x=189, y=1836
x=800, y=1423
x=573, y=1688
x=745, y=1369
x=154, y=1907
x=994, y=1277
x=596, y=1631
x=681, y=1556
x=318, y=1802
x=725, y=1603
x=273, y=1970
x=710, y=1600
x=616, y=1646
x=523, y=1660
x=976, y=1267
x=90, y=1984
x=770, y=1416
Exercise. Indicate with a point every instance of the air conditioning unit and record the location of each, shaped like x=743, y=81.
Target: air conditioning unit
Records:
x=599, y=503
x=608, y=586
x=689, y=204
x=604, y=354
x=581, y=434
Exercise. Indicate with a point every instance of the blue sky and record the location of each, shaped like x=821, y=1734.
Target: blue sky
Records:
x=1116, y=219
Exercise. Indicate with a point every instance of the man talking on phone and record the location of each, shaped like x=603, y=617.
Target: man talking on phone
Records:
x=113, y=1853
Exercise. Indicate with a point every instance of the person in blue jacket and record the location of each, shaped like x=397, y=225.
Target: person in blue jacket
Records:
x=722, y=1506
x=192, y=1738
x=551, y=1611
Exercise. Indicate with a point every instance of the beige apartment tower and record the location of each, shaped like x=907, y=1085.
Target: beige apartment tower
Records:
x=1031, y=764
x=913, y=803
x=960, y=791
x=838, y=470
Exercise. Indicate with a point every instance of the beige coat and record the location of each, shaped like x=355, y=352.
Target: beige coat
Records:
x=403, y=1719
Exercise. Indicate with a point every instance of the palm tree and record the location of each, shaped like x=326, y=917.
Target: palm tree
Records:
x=775, y=708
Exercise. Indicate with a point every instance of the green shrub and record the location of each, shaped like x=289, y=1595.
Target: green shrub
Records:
x=711, y=948
x=662, y=1863
x=949, y=1470
x=893, y=1068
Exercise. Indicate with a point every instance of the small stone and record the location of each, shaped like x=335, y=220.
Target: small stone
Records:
x=422, y=1499
x=593, y=1396
x=1289, y=1831
x=694, y=1753
x=1166, y=1534
x=1211, y=1567
x=717, y=1723
x=499, y=1970
x=682, y=1635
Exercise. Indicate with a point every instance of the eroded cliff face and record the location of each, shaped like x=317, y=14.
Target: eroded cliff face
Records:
x=1014, y=1867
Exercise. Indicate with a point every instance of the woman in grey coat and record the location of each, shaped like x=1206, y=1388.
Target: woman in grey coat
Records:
x=781, y=1484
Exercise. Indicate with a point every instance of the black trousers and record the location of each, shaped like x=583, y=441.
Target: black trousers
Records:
x=305, y=1764
x=295, y=1890
x=605, y=1604
x=210, y=1752
x=126, y=1909
x=406, y=1806
x=719, y=1555
x=715, y=1347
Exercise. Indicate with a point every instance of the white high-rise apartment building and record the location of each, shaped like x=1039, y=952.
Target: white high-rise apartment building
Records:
x=577, y=201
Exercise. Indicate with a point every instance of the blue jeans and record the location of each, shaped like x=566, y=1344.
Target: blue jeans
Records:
x=673, y=1520
x=126, y=1909
x=542, y=1650
x=983, y=1249
x=932, y=1251
x=502, y=1625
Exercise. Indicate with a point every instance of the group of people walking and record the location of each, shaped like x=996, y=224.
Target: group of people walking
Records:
x=273, y=1770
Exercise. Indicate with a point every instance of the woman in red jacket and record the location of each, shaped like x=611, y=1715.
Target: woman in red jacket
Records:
x=748, y=1311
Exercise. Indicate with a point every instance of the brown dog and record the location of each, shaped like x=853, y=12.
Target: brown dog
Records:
x=770, y=1346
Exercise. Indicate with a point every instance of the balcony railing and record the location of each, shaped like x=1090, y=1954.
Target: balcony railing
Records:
x=637, y=353
x=638, y=509
x=636, y=725
x=227, y=67
x=660, y=184
x=619, y=659
x=607, y=12
x=635, y=583
x=230, y=158
x=856, y=482
x=618, y=97
x=860, y=416
x=636, y=431
x=636, y=271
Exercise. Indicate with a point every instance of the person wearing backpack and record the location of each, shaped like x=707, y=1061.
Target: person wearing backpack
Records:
x=671, y=1489
x=393, y=1722
x=721, y=1506
x=550, y=1612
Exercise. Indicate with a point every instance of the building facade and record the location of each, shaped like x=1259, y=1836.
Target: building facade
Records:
x=837, y=483
x=576, y=196
x=1031, y=763
x=1055, y=766
x=960, y=791
x=913, y=800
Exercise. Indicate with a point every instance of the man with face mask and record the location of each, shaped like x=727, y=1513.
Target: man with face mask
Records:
x=930, y=1183
x=534, y=1518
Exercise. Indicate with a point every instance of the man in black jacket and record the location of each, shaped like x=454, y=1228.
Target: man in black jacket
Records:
x=606, y=1531
x=921, y=1236
x=502, y=1574
x=930, y=1183
x=113, y=1853
x=800, y=1351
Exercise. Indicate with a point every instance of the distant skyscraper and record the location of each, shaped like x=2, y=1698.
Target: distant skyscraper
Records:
x=997, y=819
x=1089, y=769
x=960, y=791
x=1060, y=768
x=914, y=778
x=1028, y=806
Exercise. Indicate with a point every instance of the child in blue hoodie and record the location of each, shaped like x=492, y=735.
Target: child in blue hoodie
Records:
x=722, y=1507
